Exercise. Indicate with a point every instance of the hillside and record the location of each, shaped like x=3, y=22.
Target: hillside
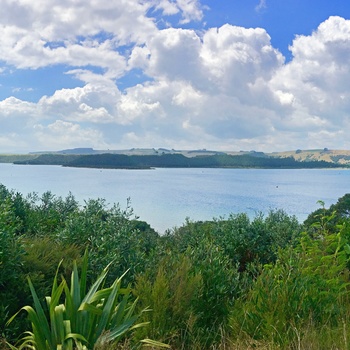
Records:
x=122, y=161
x=200, y=157
x=333, y=156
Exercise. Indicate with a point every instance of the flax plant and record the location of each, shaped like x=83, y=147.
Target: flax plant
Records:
x=85, y=320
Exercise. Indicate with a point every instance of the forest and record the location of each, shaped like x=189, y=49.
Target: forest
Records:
x=122, y=161
x=93, y=276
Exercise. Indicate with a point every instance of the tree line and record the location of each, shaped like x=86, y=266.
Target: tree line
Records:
x=115, y=161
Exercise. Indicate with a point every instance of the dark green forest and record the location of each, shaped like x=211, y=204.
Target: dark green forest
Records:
x=92, y=276
x=121, y=161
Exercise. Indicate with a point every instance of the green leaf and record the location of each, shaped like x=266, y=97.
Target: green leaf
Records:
x=108, y=310
x=154, y=343
x=38, y=317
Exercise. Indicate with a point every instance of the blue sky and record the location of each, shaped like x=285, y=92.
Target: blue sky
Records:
x=268, y=75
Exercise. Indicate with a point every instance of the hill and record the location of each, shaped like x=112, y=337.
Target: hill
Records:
x=122, y=161
x=341, y=157
x=152, y=157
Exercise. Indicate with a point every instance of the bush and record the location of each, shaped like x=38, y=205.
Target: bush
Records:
x=110, y=236
x=76, y=318
x=170, y=294
x=307, y=285
x=11, y=261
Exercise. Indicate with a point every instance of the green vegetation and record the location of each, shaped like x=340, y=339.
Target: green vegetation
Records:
x=232, y=283
x=122, y=161
x=86, y=319
x=11, y=158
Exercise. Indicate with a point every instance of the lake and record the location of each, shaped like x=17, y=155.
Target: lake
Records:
x=165, y=197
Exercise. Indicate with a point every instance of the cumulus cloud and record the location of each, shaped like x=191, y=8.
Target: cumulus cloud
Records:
x=174, y=54
x=236, y=58
x=92, y=103
x=315, y=81
x=71, y=135
x=79, y=33
x=224, y=88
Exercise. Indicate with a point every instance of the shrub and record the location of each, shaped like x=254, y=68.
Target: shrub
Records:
x=170, y=294
x=81, y=319
x=11, y=261
x=109, y=235
x=307, y=285
x=41, y=258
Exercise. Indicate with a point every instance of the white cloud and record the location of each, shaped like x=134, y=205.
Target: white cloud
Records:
x=261, y=6
x=316, y=80
x=61, y=134
x=191, y=10
x=94, y=103
x=223, y=88
x=79, y=33
x=55, y=20
x=167, y=7
x=17, y=110
x=174, y=54
x=236, y=89
x=236, y=58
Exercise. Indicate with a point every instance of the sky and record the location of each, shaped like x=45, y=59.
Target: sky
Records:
x=228, y=75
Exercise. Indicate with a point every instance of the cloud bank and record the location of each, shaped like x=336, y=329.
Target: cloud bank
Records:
x=147, y=81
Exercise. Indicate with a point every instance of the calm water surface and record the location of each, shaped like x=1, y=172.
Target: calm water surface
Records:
x=165, y=197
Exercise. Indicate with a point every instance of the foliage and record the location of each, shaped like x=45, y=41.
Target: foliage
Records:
x=115, y=161
x=257, y=241
x=110, y=235
x=190, y=295
x=233, y=282
x=11, y=261
x=170, y=295
x=220, y=285
x=243, y=241
x=85, y=319
x=48, y=214
x=36, y=232
x=41, y=258
x=339, y=213
x=48, y=158
x=307, y=285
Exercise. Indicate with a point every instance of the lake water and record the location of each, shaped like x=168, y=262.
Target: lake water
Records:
x=165, y=197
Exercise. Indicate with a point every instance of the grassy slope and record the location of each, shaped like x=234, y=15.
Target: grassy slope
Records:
x=335, y=156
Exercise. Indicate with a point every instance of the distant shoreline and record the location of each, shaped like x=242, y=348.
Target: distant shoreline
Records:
x=145, y=159
x=122, y=161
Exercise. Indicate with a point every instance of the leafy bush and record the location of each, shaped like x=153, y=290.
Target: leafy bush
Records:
x=170, y=294
x=46, y=215
x=11, y=261
x=110, y=235
x=243, y=241
x=307, y=285
x=191, y=295
x=220, y=286
x=338, y=213
x=257, y=241
x=40, y=261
